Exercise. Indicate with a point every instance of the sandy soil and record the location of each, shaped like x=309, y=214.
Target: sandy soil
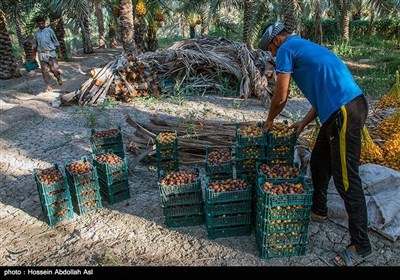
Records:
x=130, y=233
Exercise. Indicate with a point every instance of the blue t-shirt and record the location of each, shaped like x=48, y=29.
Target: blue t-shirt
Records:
x=322, y=76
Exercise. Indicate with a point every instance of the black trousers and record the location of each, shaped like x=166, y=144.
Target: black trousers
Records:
x=337, y=153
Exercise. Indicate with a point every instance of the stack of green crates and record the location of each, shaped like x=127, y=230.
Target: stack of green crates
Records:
x=182, y=204
x=222, y=170
x=282, y=221
x=167, y=154
x=113, y=180
x=228, y=213
x=280, y=149
x=85, y=190
x=55, y=198
x=103, y=141
x=249, y=151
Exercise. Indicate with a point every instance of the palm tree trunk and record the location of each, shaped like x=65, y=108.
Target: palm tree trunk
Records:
x=112, y=34
x=85, y=30
x=126, y=28
x=152, y=44
x=205, y=23
x=247, y=22
x=318, y=23
x=20, y=35
x=192, y=31
x=57, y=24
x=345, y=20
x=100, y=24
x=140, y=32
x=289, y=15
x=8, y=64
x=371, y=21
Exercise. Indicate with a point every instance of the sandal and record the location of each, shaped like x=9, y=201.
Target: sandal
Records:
x=351, y=258
x=318, y=218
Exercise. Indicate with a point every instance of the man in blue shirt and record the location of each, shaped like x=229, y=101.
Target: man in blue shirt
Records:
x=342, y=109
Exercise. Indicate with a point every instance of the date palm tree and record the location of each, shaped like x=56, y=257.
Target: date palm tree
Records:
x=100, y=22
x=8, y=63
x=79, y=11
x=247, y=22
x=126, y=28
x=289, y=15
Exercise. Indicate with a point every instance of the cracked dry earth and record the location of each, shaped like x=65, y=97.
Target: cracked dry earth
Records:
x=129, y=233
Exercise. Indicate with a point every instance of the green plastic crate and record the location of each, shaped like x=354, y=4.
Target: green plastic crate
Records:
x=267, y=252
x=219, y=176
x=250, y=152
x=106, y=168
x=77, y=179
x=270, y=200
x=227, y=196
x=109, y=140
x=57, y=206
x=112, y=178
x=183, y=210
x=117, y=149
x=115, y=197
x=181, y=199
x=167, y=166
x=83, y=198
x=243, y=141
x=184, y=221
x=167, y=154
x=273, y=239
x=56, y=219
x=228, y=208
x=267, y=179
x=281, y=226
x=281, y=140
x=212, y=168
x=246, y=165
x=114, y=188
x=181, y=188
x=276, y=152
x=226, y=220
x=241, y=230
x=46, y=189
x=51, y=198
x=81, y=209
x=166, y=146
x=83, y=186
x=292, y=212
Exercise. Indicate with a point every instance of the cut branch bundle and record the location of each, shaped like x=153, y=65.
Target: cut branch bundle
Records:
x=193, y=137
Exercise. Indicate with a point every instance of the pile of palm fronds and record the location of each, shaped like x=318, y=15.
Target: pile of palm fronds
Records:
x=208, y=65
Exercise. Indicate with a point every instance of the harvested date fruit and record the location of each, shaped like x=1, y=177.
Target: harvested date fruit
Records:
x=279, y=171
x=280, y=130
x=49, y=176
x=166, y=137
x=178, y=178
x=283, y=188
x=219, y=156
x=227, y=185
x=80, y=167
x=251, y=130
x=106, y=133
x=62, y=212
x=89, y=203
x=109, y=158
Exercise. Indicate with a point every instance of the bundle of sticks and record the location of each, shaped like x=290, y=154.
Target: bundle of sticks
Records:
x=193, y=137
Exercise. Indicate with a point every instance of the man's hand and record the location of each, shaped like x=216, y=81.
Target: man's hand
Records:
x=298, y=127
x=268, y=125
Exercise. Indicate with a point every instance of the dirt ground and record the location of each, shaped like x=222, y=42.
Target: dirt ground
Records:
x=130, y=233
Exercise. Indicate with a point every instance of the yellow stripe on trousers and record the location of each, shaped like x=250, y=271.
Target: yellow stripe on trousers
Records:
x=342, y=143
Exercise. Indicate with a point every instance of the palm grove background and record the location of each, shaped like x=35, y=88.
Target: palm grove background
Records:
x=353, y=29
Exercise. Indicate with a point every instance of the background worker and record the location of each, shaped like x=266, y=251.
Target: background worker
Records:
x=45, y=44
